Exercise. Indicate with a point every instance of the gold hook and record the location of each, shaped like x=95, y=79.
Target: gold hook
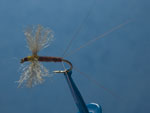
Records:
x=64, y=71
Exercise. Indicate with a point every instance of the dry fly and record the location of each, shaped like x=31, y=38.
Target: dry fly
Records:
x=39, y=38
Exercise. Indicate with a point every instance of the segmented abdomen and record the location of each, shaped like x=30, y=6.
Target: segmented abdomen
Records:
x=49, y=59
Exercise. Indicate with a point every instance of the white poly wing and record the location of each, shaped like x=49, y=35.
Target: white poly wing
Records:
x=38, y=38
x=33, y=74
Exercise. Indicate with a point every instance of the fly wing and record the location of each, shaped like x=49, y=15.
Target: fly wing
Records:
x=33, y=74
x=38, y=38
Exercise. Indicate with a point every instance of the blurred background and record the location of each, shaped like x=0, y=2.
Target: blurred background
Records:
x=120, y=61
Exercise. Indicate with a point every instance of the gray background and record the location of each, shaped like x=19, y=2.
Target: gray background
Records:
x=120, y=61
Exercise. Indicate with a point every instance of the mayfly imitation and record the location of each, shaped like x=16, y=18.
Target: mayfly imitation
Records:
x=37, y=39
